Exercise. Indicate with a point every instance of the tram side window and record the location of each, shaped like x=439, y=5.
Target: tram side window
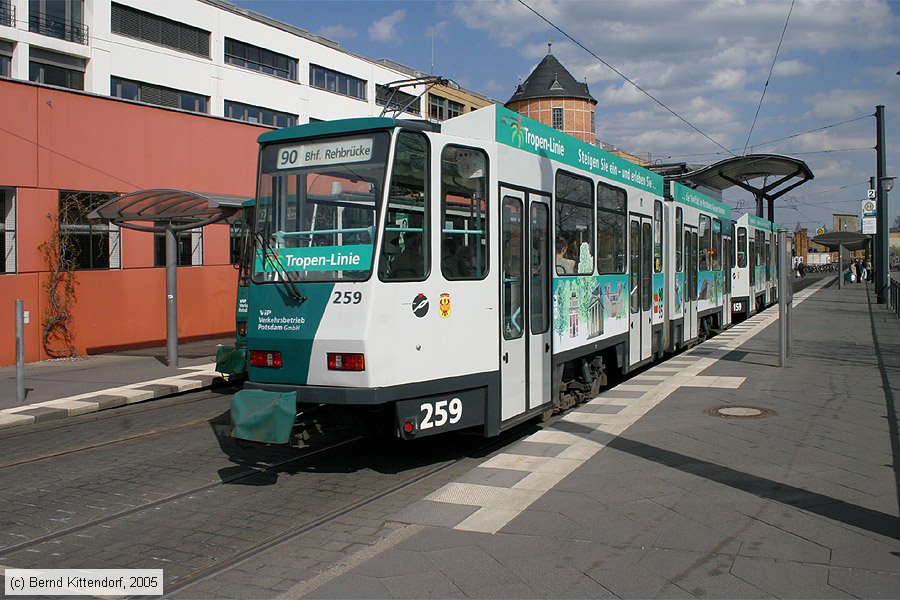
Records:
x=657, y=236
x=464, y=206
x=742, y=247
x=715, y=253
x=611, y=224
x=705, y=243
x=574, y=225
x=679, y=240
x=405, y=246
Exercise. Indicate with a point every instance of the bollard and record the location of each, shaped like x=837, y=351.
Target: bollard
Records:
x=20, y=350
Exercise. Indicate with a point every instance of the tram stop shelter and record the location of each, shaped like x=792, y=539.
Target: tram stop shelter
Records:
x=780, y=174
x=840, y=241
x=170, y=211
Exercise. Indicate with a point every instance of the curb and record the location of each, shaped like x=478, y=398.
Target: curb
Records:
x=201, y=377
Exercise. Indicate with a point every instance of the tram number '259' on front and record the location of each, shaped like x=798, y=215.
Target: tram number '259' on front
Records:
x=441, y=412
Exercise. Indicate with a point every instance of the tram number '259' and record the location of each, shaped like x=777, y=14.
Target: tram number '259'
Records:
x=441, y=413
x=347, y=298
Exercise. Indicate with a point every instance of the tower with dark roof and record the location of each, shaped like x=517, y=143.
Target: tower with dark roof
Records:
x=551, y=95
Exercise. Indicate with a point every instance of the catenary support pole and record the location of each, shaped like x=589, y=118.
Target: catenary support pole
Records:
x=20, y=350
x=840, y=266
x=882, y=252
x=171, y=297
x=782, y=299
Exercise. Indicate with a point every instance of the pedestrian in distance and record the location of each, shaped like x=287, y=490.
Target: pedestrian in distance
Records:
x=801, y=269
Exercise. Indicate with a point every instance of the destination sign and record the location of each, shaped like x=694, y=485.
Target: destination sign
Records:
x=325, y=153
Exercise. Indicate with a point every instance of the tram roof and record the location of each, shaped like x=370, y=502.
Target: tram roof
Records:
x=339, y=126
x=181, y=209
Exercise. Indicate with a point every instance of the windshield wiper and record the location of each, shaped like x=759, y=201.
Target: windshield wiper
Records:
x=271, y=255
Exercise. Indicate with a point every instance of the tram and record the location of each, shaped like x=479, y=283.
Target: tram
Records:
x=470, y=274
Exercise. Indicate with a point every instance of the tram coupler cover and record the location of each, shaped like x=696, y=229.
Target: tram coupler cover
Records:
x=231, y=360
x=261, y=416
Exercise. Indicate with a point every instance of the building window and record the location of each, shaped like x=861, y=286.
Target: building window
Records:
x=51, y=68
x=63, y=19
x=189, y=248
x=87, y=243
x=558, y=120
x=8, y=230
x=574, y=225
x=397, y=100
x=6, y=53
x=148, y=27
x=441, y=109
x=259, y=59
x=339, y=83
x=158, y=95
x=7, y=13
x=593, y=122
x=257, y=114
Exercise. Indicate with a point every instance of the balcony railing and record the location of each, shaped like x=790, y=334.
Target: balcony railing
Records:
x=7, y=14
x=63, y=29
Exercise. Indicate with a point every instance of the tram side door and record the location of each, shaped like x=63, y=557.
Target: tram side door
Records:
x=691, y=255
x=525, y=334
x=640, y=300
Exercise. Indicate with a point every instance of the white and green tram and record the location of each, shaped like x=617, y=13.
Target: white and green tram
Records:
x=472, y=274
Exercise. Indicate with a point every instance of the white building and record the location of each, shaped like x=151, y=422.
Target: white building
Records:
x=204, y=56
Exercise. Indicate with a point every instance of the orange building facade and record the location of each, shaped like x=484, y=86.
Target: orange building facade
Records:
x=55, y=142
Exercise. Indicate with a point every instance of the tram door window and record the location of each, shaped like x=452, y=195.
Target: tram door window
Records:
x=657, y=236
x=753, y=258
x=679, y=240
x=464, y=210
x=512, y=283
x=634, y=300
x=768, y=259
x=646, y=267
x=693, y=264
x=726, y=262
x=540, y=268
x=705, y=243
x=742, y=247
x=405, y=247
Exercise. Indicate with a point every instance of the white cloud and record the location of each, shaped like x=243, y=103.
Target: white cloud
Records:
x=337, y=32
x=385, y=28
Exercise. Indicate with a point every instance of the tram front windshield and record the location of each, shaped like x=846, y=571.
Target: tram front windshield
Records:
x=317, y=206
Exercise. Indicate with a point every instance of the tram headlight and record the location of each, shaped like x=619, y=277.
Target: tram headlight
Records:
x=265, y=358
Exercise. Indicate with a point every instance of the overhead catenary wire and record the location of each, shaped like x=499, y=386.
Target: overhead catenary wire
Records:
x=625, y=77
x=769, y=77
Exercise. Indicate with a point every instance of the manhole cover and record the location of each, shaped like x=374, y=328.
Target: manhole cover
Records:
x=736, y=411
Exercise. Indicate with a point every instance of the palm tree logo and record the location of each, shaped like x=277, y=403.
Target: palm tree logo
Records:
x=517, y=136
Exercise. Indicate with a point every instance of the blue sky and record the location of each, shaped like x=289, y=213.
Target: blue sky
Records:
x=706, y=60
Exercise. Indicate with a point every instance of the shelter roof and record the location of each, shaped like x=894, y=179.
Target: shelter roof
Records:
x=848, y=239
x=551, y=80
x=739, y=170
x=180, y=209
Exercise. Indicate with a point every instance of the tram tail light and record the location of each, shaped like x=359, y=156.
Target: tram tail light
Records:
x=242, y=328
x=346, y=361
x=265, y=358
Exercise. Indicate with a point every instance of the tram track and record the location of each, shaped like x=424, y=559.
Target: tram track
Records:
x=101, y=416
x=259, y=548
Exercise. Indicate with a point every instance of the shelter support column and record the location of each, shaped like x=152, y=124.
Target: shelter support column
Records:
x=171, y=297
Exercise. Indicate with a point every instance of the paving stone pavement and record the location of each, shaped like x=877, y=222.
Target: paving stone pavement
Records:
x=651, y=496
